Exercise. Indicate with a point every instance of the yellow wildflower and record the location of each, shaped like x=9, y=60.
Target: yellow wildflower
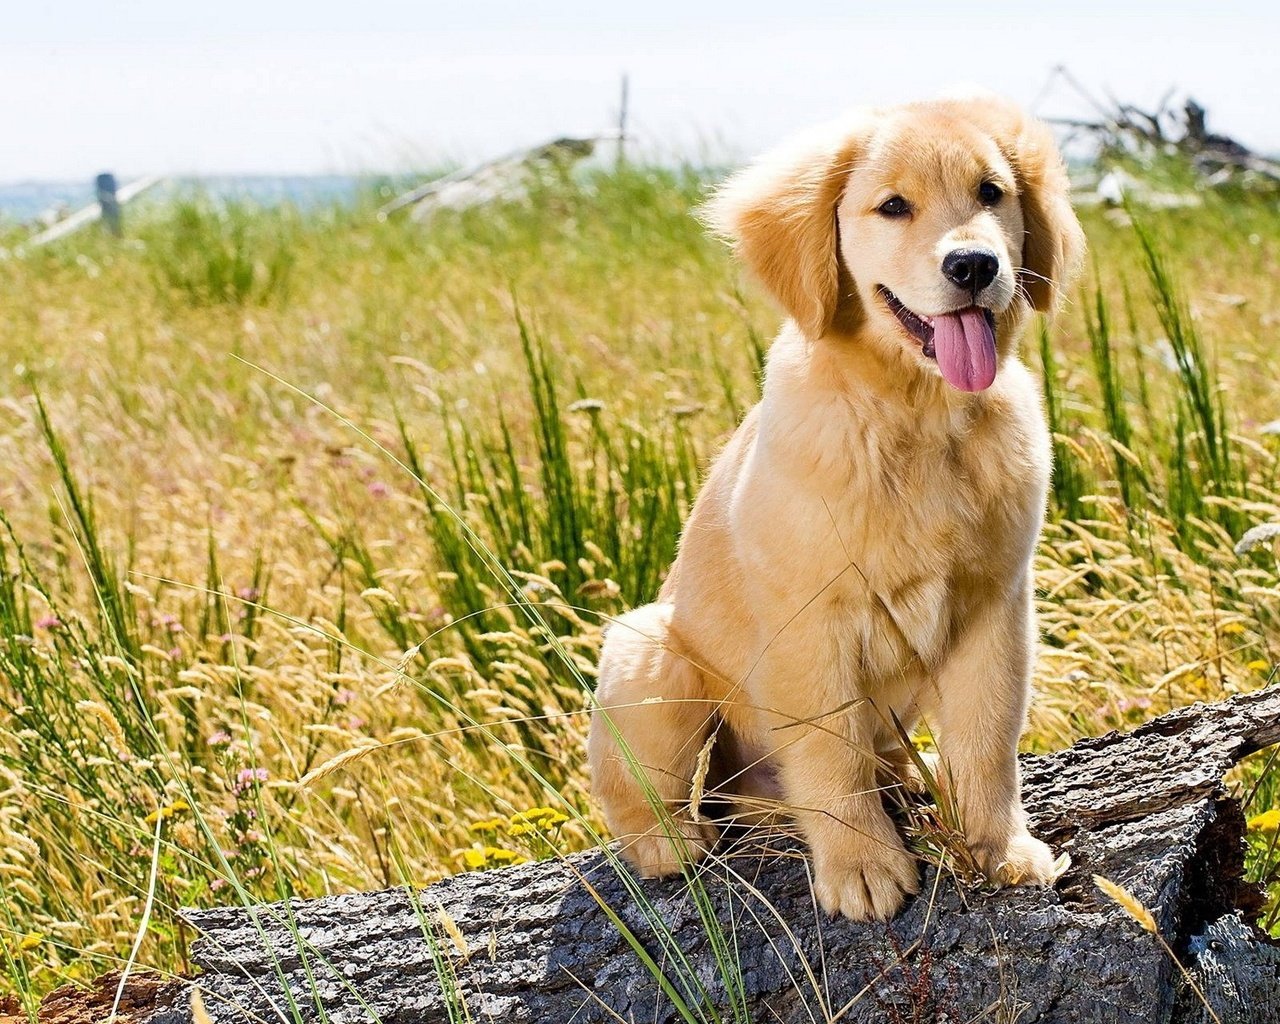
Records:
x=1257, y=666
x=177, y=807
x=1232, y=628
x=488, y=825
x=31, y=940
x=472, y=859
x=500, y=856
x=536, y=819
x=532, y=814
x=1268, y=821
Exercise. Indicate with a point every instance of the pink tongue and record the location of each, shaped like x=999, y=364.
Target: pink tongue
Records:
x=966, y=349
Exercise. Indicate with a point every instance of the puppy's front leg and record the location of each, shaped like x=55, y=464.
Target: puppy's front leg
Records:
x=984, y=689
x=826, y=758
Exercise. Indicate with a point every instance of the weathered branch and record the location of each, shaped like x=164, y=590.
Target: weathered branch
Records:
x=1147, y=809
x=1128, y=128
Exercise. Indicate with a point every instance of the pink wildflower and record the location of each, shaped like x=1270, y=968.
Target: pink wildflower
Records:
x=248, y=778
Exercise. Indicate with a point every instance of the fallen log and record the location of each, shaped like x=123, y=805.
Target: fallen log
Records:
x=561, y=940
x=1125, y=128
x=507, y=177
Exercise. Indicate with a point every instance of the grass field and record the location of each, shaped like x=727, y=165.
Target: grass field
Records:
x=326, y=499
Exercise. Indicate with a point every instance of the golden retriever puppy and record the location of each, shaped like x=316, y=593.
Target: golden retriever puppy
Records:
x=862, y=547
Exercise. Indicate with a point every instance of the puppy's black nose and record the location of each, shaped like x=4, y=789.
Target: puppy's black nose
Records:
x=971, y=269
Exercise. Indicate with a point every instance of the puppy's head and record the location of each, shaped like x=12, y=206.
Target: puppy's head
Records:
x=927, y=231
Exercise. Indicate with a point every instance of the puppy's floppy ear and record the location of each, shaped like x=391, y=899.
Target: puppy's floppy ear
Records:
x=1053, y=242
x=780, y=216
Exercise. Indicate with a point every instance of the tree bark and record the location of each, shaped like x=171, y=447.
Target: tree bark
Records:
x=1147, y=809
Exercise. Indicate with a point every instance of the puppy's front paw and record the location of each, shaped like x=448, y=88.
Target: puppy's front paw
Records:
x=666, y=847
x=1023, y=860
x=865, y=881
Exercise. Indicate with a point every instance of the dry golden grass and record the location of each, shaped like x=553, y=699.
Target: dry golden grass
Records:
x=258, y=595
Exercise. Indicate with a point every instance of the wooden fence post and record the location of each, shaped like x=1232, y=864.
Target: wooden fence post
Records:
x=108, y=201
x=622, y=121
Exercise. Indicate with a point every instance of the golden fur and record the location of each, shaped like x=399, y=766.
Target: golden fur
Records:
x=862, y=546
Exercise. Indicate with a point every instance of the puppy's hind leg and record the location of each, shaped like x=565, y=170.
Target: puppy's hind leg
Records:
x=651, y=719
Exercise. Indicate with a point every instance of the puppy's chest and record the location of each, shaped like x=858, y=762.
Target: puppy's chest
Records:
x=878, y=531
x=907, y=508
x=900, y=503
x=911, y=528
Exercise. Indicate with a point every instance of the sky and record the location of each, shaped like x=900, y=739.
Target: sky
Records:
x=275, y=86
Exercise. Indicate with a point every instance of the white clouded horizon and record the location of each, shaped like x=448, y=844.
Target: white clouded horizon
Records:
x=389, y=86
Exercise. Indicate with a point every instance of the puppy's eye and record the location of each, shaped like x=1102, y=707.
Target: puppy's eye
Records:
x=894, y=206
x=989, y=193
